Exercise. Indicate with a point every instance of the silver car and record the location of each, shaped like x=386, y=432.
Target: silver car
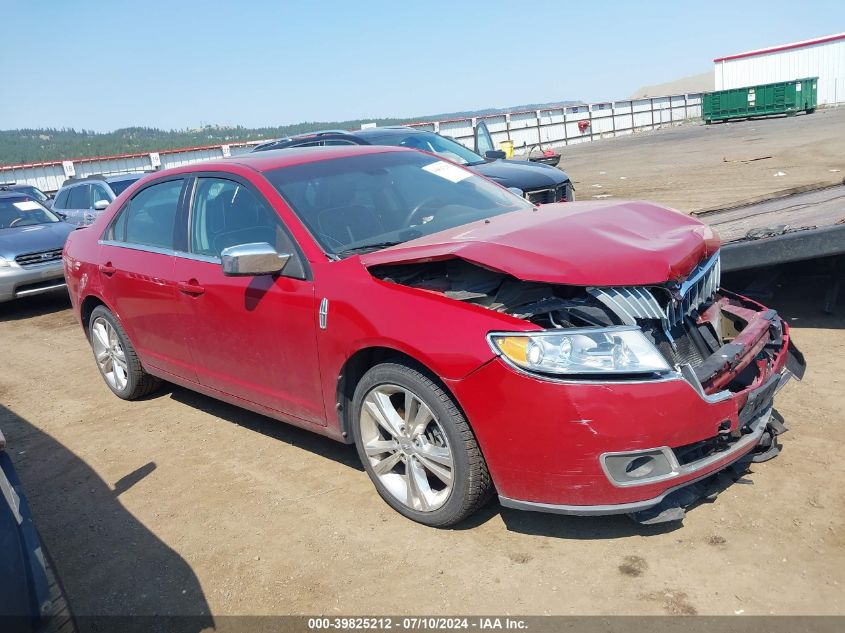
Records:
x=31, y=241
x=80, y=201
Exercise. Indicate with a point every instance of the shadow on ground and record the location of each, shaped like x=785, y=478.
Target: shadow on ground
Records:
x=109, y=562
x=798, y=291
x=29, y=307
x=275, y=429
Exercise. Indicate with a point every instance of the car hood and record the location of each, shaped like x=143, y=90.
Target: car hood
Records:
x=521, y=173
x=33, y=238
x=573, y=243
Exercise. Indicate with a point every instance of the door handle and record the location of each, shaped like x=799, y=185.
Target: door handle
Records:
x=191, y=288
x=107, y=269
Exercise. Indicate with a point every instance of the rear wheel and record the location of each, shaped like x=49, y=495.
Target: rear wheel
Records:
x=116, y=358
x=417, y=447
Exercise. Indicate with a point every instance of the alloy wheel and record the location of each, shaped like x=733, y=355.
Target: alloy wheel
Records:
x=109, y=353
x=406, y=447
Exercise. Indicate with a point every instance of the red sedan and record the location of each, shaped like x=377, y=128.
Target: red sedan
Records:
x=576, y=358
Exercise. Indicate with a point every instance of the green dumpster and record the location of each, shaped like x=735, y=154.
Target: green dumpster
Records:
x=784, y=97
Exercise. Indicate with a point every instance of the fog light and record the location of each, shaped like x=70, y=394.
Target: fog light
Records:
x=639, y=467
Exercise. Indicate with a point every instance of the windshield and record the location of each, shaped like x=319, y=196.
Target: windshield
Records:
x=33, y=192
x=16, y=212
x=430, y=142
x=119, y=186
x=360, y=203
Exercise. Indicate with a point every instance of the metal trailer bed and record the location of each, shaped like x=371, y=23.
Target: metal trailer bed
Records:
x=791, y=228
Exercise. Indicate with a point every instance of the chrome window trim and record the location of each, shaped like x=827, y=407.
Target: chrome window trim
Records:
x=207, y=259
x=138, y=247
x=161, y=251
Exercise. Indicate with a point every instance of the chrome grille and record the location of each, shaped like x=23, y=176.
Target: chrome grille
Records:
x=701, y=285
x=631, y=303
x=41, y=257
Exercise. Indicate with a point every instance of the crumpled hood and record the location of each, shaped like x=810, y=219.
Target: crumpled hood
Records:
x=573, y=243
x=33, y=238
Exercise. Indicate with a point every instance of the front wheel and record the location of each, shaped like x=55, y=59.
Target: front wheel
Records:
x=116, y=358
x=417, y=447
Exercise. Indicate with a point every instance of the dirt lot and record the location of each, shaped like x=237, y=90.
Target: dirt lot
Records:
x=695, y=166
x=182, y=504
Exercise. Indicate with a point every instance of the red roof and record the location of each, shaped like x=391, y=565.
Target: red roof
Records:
x=784, y=47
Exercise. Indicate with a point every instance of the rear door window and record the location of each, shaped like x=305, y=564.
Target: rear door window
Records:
x=149, y=217
x=80, y=197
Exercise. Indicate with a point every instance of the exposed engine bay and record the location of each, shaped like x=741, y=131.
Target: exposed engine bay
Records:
x=728, y=342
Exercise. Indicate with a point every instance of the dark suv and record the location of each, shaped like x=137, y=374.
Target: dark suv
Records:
x=81, y=200
x=29, y=191
x=539, y=183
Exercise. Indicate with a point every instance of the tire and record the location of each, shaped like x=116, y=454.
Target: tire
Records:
x=431, y=469
x=112, y=349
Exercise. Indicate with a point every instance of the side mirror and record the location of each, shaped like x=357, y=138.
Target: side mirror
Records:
x=101, y=204
x=517, y=191
x=252, y=259
x=494, y=154
x=62, y=216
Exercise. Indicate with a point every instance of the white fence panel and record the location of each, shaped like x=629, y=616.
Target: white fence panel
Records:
x=551, y=127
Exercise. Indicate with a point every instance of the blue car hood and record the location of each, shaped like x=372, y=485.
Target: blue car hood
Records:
x=33, y=238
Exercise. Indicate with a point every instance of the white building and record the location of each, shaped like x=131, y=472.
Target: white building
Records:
x=823, y=57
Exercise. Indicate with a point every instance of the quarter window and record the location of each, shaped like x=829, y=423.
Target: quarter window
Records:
x=61, y=199
x=225, y=213
x=149, y=218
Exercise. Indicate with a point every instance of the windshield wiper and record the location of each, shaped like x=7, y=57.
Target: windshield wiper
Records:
x=372, y=246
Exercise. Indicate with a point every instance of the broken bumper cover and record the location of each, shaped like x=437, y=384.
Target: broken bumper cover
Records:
x=705, y=468
x=548, y=442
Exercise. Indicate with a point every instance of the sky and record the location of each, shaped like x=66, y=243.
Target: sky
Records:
x=177, y=64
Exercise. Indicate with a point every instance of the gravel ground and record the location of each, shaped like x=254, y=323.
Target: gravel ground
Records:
x=695, y=166
x=182, y=504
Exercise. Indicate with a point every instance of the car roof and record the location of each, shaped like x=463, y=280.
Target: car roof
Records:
x=392, y=130
x=276, y=158
x=12, y=194
x=119, y=177
x=70, y=182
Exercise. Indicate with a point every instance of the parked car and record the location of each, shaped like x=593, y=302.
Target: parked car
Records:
x=576, y=358
x=534, y=153
x=31, y=242
x=31, y=598
x=81, y=200
x=30, y=190
x=539, y=183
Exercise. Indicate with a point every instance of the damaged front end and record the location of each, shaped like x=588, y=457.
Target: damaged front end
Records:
x=725, y=346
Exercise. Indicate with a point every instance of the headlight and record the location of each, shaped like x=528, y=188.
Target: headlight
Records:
x=4, y=263
x=613, y=350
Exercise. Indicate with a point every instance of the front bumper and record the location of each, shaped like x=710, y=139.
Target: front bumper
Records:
x=17, y=282
x=545, y=441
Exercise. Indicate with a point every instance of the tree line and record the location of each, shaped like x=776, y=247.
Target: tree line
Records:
x=34, y=145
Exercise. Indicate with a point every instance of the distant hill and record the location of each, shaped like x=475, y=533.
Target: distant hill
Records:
x=685, y=85
x=45, y=144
